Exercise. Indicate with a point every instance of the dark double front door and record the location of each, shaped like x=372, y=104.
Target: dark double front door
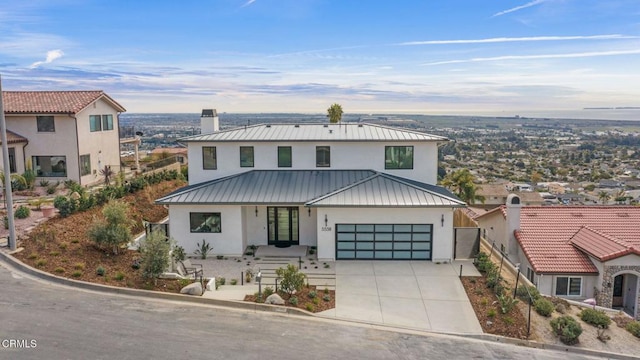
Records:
x=283, y=226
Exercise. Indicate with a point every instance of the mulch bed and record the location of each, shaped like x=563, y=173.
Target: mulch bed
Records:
x=487, y=309
x=304, y=299
x=61, y=247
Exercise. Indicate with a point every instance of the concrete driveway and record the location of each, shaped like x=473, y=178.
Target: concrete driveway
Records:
x=413, y=294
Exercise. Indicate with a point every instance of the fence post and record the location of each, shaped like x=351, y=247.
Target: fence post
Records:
x=529, y=320
x=276, y=284
x=241, y=277
x=515, y=289
x=460, y=271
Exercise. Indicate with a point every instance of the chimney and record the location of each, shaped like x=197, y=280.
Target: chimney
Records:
x=209, y=121
x=513, y=223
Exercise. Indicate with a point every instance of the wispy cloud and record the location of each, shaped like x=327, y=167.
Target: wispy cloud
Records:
x=248, y=3
x=51, y=56
x=517, y=39
x=517, y=8
x=542, y=56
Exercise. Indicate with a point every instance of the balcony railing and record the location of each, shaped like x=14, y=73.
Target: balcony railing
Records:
x=127, y=132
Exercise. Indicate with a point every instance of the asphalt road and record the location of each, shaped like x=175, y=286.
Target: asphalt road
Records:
x=67, y=323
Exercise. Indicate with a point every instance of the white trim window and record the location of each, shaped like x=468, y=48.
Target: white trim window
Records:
x=568, y=286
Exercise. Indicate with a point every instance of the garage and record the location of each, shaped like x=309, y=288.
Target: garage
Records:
x=384, y=241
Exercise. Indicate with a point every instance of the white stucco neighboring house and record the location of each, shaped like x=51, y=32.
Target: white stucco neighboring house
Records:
x=575, y=252
x=62, y=134
x=355, y=191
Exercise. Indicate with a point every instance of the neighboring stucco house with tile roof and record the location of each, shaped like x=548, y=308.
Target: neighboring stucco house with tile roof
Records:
x=355, y=191
x=63, y=134
x=576, y=252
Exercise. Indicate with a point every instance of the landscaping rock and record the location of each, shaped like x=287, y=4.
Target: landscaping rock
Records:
x=274, y=299
x=192, y=289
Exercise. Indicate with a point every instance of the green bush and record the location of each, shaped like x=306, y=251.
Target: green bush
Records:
x=76, y=273
x=634, y=328
x=22, y=212
x=65, y=205
x=310, y=307
x=233, y=282
x=544, y=307
x=267, y=292
x=312, y=294
x=119, y=276
x=567, y=328
x=293, y=301
x=491, y=313
x=523, y=295
x=51, y=189
x=114, y=230
x=507, y=303
x=326, y=297
x=155, y=255
x=291, y=279
x=595, y=317
x=100, y=271
x=44, y=183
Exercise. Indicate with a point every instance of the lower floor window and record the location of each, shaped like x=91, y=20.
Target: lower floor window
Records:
x=85, y=165
x=530, y=274
x=50, y=166
x=566, y=285
x=204, y=222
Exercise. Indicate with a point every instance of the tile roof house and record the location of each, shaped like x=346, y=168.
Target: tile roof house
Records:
x=354, y=191
x=576, y=252
x=62, y=134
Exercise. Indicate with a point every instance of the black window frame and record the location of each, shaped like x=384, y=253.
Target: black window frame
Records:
x=252, y=152
x=282, y=164
x=43, y=125
x=95, y=123
x=12, y=160
x=390, y=164
x=214, y=158
x=567, y=285
x=38, y=167
x=323, y=156
x=203, y=227
x=85, y=164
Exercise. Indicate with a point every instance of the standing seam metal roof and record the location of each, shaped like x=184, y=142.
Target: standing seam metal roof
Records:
x=315, y=132
x=314, y=188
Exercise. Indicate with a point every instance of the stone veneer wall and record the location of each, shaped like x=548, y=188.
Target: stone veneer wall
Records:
x=605, y=293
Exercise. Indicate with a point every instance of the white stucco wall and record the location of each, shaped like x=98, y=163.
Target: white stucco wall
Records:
x=20, y=164
x=228, y=242
x=547, y=285
x=442, y=247
x=499, y=232
x=344, y=156
x=256, y=226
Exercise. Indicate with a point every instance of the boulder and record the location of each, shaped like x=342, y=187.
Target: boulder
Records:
x=274, y=299
x=192, y=289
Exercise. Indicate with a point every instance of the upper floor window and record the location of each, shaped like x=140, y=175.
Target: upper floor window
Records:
x=100, y=122
x=398, y=157
x=246, y=156
x=323, y=156
x=284, y=156
x=45, y=124
x=567, y=285
x=209, y=159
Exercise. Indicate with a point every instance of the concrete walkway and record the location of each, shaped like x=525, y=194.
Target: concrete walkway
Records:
x=414, y=294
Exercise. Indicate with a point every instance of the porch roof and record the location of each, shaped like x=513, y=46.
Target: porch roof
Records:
x=313, y=188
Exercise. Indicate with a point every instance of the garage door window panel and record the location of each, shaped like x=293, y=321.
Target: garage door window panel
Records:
x=384, y=241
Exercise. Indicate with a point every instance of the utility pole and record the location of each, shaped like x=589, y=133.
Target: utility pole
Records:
x=7, y=173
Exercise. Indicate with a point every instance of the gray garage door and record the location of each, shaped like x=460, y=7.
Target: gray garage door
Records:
x=383, y=241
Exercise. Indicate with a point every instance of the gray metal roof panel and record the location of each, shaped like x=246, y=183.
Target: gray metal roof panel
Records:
x=315, y=132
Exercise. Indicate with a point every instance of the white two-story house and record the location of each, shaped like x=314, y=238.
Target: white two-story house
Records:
x=356, y=191
x=62, y=134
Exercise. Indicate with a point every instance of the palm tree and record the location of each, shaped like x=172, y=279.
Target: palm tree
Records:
x=604, y=197
x=334, y=113
x=460, y=182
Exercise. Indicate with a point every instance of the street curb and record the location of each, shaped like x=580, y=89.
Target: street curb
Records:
x=284, y=310
x=19, y=265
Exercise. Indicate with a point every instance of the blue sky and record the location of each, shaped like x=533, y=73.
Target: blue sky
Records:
x=409, y=56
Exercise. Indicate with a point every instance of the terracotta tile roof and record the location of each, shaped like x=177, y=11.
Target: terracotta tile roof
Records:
x=546, y=231
x=52, y=102
x=601, y=246
x=13, y=138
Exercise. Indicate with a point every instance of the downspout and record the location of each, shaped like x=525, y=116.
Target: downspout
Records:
x=71, y=115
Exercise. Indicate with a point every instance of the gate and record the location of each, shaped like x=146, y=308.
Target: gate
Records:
x=466, y=242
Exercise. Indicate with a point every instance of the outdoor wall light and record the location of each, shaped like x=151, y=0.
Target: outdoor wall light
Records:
x=256, y=211
x=326, y=220
x=309, y=210
x=442, y=220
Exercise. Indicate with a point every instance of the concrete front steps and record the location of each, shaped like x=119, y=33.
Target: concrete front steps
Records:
x=321, y=277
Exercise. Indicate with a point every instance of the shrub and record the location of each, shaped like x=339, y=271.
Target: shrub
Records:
x=567, y=328
x=54, y=253
x=51, y=189
x=484, y=301
x=491, y=313
x=32, y=256
x=22, y=212
x=203, y=250
x=76, y=273
x=310, y=307
x=326, y=266
x=267, y=292
x=63, y=245
x=155, y=255
x=312, y=294
x=233, y=282
x=326, y=290
x=59, y=270
x=79, y=266
x=326, y=297
x=316, y=300
x=507, y=303
x=508, y=320
x=293, y=301
x=222, y=280
x=544, y=307
x=178, y=253
x=119, y=276
x=634, y=328
x=114, y=230
x=522, y=294
x=65, y=205
x=44, y=183
x=100, y=271
x=595, y=317
x=41, y=262
x=291, y=279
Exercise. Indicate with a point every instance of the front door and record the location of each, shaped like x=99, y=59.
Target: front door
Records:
x=283, y=226
x=618, y=300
